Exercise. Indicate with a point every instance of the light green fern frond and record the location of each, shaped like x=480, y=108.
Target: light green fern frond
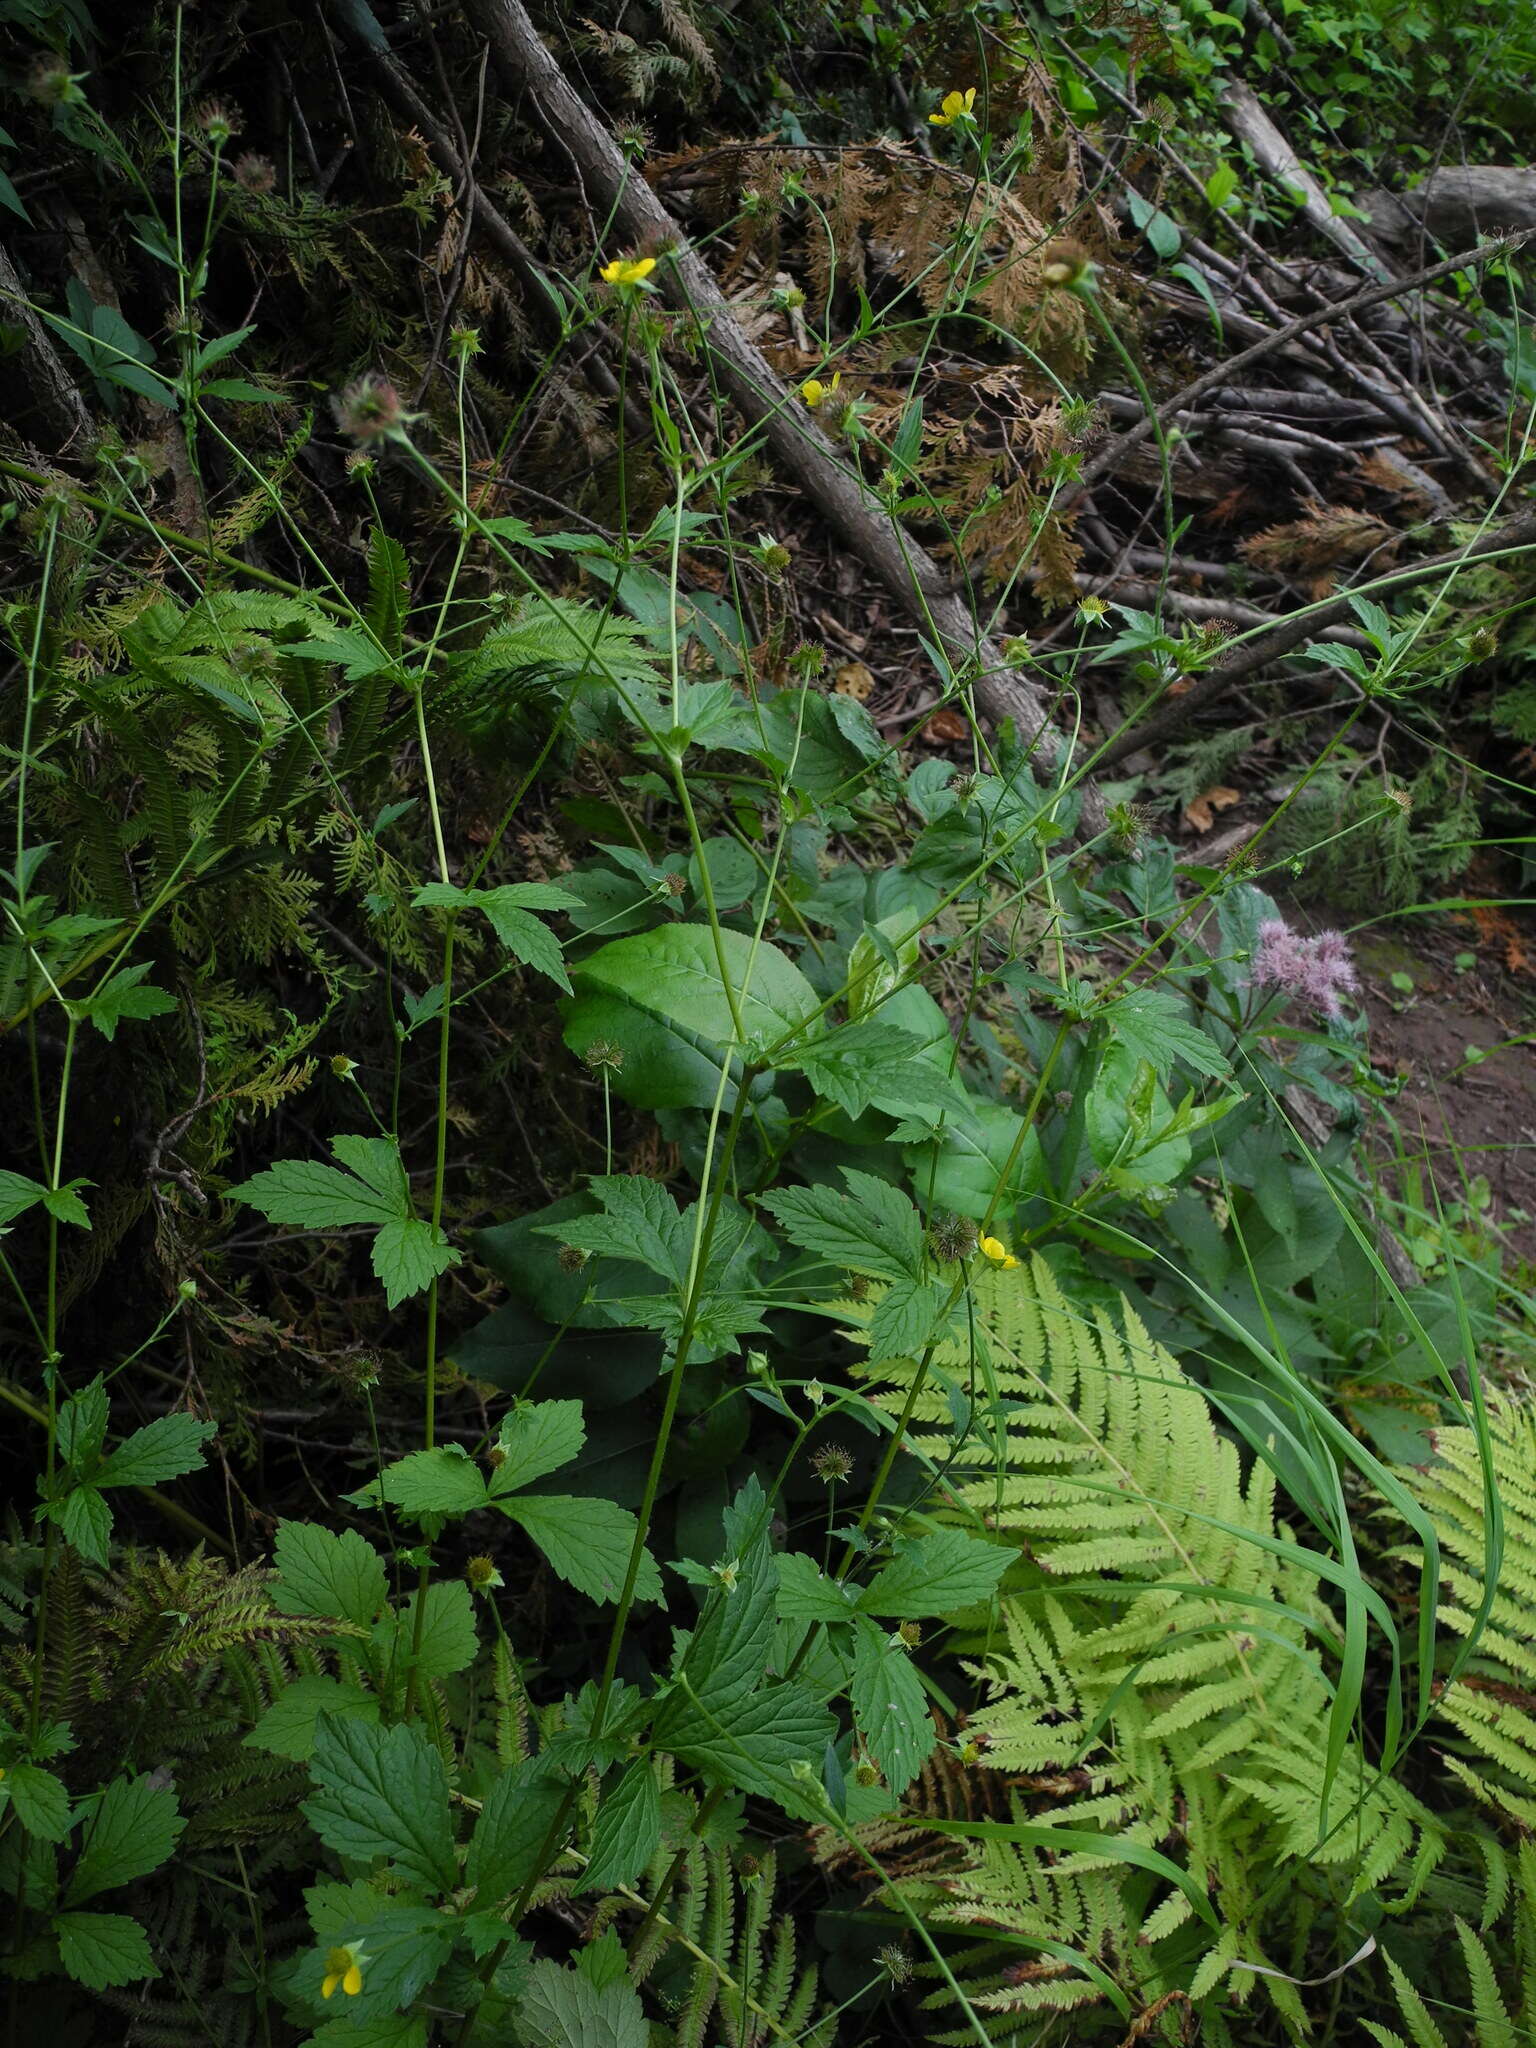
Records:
x=1166, y=1681
x=1491, y=1704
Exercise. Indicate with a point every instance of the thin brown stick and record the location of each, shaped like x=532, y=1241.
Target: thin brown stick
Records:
x=639, y=218
x=1114, y=453
x=1252, y=655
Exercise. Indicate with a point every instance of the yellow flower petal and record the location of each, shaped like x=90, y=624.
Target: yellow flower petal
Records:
x=352, y=1983
x=631, y=271
x=954, y=107
x=329, y=1985
x=994, y=1249
x=813, y=391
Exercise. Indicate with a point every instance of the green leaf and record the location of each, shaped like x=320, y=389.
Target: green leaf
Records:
x=123, y=996
x=756, y=1747
x=66, y=1205
x=162, y=1449
x=1221, y=184
x=326, y=1572
x=449, y=1642
x=441, y=1481
x=935, y=1575
x=562, y=2008
x=904, y=1318
x=288, y=1726
x=388, y=2030
x=240, y=390
x=406, y=1945
x=313, y=1196
x=382, y=1792
x=18, y=1195
x=133, y=1830
x=507, y=1847
x=85, y=1521
x=640, y=1221
x=100, y=1950
x=525, y=937
x=40, y=1801
x=805, y=1594
x=1152, y=1025
x=588, y=1542
x=872, y=1229
x=83, y=1424
x=628, y=1829
x=890, y=1707
x=535, y=1439
x=661, y=997
x=963, y=1168
x=408, y=1255
x=871, y=1063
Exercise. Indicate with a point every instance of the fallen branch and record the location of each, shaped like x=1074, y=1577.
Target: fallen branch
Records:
x=1245, y=116
x=1114, y=452
x=902, y=564
x=1249, y=656
x=57, y=395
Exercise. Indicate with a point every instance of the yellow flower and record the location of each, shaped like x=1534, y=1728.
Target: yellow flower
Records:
x=635, y=272
x=343, y=1966
x=957, y=107
x=814, y=392
x=994, y=1249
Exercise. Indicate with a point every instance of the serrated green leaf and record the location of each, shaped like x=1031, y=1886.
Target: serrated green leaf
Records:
x=441, y=1481
x=382, y=1792
x=806, y=1594
x=133, y=1830
x=628, y=1829
x=449, y=1642
x=936, y=1574
x=312, y=1196
x=904, y=1318
x=39, y=1799
x=18, y=1194
x=588, y=1542
x=287, y=1728
x=871, y=1229
x=639, y=1221
x=66, y=1205
x=507, y=1846
x=535, y=1439
x=562, y=2008
x=100, y=1950
x=124, y=996
x=83, y=1424
x=162, y=1449
x=1152, y=1025
x=85, y=1521
x=889, y=1707
x=333, y=1573
x=408, y=1255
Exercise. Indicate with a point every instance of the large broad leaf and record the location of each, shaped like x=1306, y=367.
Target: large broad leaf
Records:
x=588, y=1542
x=890, y=1706
x=660, y=999
x=333, y=1573
x=507, y=1847
x=103, y=1949
x=382, y=1792
x=134, y=1829
x=628, y=1829
x=561, y=2008
x=967, y=1166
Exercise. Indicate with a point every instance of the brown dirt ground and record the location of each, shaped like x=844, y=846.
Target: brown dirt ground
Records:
x=1470, y=1119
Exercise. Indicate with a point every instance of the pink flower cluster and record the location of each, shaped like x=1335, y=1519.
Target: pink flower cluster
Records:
x=1317, y=968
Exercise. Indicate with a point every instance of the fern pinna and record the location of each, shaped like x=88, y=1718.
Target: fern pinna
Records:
x=1161, y=1677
